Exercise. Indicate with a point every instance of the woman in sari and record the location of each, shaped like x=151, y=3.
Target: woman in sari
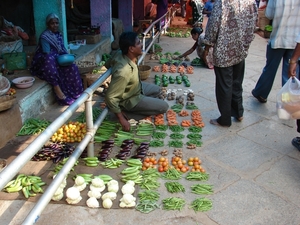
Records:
x=65, y=80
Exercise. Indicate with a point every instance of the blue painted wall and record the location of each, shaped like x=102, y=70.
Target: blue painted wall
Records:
x=42, y=8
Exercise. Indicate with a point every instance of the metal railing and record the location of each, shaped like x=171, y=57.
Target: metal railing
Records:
x=86, y=98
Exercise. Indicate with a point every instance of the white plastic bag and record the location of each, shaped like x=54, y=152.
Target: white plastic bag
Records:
x=288, y=100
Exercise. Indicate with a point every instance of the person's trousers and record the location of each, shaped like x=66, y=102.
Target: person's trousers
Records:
x=229, y=92
x=298, y=121
x=183, y=5
x=150, y=104
x=265, y=82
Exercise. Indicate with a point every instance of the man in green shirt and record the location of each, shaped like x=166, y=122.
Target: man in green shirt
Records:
x=126, y=95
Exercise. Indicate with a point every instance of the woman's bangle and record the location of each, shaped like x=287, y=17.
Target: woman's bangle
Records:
x=292, y=62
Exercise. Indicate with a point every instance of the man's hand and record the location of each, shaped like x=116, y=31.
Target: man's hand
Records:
x=102, y=105
x=292, y=69
x=123, y=121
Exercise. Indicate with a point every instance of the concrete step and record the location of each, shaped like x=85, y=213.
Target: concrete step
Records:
x=34, y=101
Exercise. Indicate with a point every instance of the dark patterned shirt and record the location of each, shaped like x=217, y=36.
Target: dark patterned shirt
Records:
x=230, y=29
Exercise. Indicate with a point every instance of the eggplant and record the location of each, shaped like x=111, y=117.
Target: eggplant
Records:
x=142, y=152
x=121, y=157
x=102, y=159
x=145, y=143
x=121, y=154
x=107, y=146
x=138, y=156
x=102, y=155
x=125, y=150
x=128, y=141
x=108, y=142
x=126, y=145
x=106, y=151
x=144, y=147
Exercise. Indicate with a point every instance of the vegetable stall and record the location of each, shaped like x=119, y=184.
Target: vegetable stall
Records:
x=148, y=168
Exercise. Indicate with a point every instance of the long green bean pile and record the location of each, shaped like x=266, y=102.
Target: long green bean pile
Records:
x=33, y=126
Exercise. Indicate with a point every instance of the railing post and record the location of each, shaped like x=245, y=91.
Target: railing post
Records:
x=89, y=125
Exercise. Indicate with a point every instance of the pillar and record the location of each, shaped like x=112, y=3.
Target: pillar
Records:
x=101, y=15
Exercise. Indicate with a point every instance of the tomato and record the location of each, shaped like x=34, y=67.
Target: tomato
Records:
x=183, y=169
x=152, y=159
x=191, y=159
x=162, y=159
x=180, y=165
x=190, y=163
x=196, y=163
x=196, y=159
x=202, y=170
x=146, y=159
x=164, y=164
x=160, y=169
x=183, y=162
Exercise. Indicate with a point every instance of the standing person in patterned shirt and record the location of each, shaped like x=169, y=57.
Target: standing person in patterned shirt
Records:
x=230, y=30
x=65, y=80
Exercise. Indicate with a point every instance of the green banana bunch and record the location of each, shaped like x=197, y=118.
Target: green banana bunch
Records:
x=112, y=163
x=104, y=177
x=131, y=173
x=29, y=184
x=91, y=161
x=134, y=162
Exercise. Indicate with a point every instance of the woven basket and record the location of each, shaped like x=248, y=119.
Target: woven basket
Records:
x=86, y=66
x=4, y=85
x=6, y=102
x=262, y=20
x=89, y=69
x=144, y=71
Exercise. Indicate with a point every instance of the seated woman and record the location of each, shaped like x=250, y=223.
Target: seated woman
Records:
x=199, y=45
x=66, y=80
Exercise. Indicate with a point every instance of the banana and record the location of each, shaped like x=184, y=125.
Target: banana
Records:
x=90, y=158
x=24, y=181
x=91, y=164
x=16, y=184
x=105, y=177
x=9, y=183
x=130, y=170
x=89, y=175
x=134, y=162
x=36, y=188
x=131, y=175
x=25, y=192
x=14, y=189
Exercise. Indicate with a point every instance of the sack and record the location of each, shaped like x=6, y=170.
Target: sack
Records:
x=15, y=60
x=9, y=44
x=288, y=100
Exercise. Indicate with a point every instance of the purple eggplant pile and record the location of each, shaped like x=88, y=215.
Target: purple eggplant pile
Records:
x=141, y=151
x=106, y=149
x=54, y=151
x=125, y=150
